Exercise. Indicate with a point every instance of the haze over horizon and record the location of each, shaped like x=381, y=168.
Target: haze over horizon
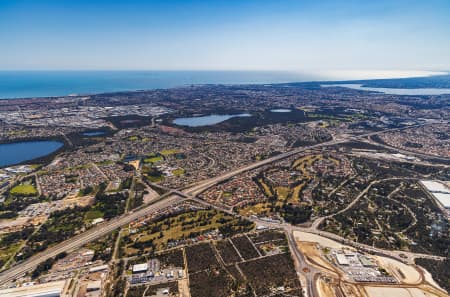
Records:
x=386, y=36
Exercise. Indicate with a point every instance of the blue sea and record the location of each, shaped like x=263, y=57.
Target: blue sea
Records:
x=32, y=84
x=26, y=84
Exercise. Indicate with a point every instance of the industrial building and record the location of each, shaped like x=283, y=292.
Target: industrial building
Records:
x=439, y=190
x=52, y=289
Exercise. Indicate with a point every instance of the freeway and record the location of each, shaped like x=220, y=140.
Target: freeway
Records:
x=162, y=202
x=199, y=187
x=203, y=185
x=92, y=234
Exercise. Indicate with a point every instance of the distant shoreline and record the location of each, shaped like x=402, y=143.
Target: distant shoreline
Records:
x=27, y=85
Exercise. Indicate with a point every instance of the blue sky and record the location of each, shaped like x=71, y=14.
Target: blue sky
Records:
x=225, y=35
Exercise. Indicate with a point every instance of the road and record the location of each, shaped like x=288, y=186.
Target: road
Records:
x=92, y=234
x=407, y=257
x=199, y=187
x=318, y=221
x=203, y=185
x=302, y=267
x=398, y=255
x=406, y=152
x=164, y=201
x=312, y=274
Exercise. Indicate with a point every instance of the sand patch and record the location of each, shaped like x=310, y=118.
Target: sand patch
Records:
x=183, y=287
x=324, y=289
x=314, y=256
x=429, y=278
x=325, y=242
x=405, y=273
x=397, y=292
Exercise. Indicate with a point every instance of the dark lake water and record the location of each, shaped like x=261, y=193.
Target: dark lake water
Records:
x=94, y=133
x=13, y=153
x=280, y=110
x=207, y=120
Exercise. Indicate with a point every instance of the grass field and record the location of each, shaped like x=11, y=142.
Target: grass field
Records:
x=296, y=192
x=185, y=225
x=93, y=214
x=169, y=152
x=255, y=209
x=305, y=162
x=282, y=192
x=133, y=138
x=24, y=190
x=291, y=194
x=266, y=188
x=179, y=171
x=7, y=252
x=192, y=224
x=153, y=159
x=155, y=179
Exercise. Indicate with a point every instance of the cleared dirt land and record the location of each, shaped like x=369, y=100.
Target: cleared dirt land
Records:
x=325, y=242
x=324, y=289
x=429, y=278
x=397, y=292
x=405, y=273
x=408, y=275
x=313, y=255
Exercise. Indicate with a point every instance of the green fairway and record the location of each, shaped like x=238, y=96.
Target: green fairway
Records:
x=24, y=190
x=169, y=152
x=153, y=159
x=93, y=214
x=179, y=171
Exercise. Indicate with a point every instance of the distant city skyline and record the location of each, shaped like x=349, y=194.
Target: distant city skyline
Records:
x=354, y=36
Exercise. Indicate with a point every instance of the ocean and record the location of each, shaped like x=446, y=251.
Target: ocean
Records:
x=32, y=84
x=27, y=84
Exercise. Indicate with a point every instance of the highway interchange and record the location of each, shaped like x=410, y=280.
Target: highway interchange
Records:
x=174, y=196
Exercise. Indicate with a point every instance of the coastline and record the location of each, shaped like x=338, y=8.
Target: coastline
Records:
x=66, y=84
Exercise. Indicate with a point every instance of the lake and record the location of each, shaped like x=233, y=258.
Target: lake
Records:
x=280, y=110
x=94, y=133
x=18, y=152
x=207, y=120
x=394, y=91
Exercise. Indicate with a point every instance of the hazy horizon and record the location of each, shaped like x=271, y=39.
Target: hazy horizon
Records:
x=312, y=75
x=231, y=35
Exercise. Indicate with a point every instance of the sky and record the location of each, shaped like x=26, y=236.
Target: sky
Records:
x=299, y=35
